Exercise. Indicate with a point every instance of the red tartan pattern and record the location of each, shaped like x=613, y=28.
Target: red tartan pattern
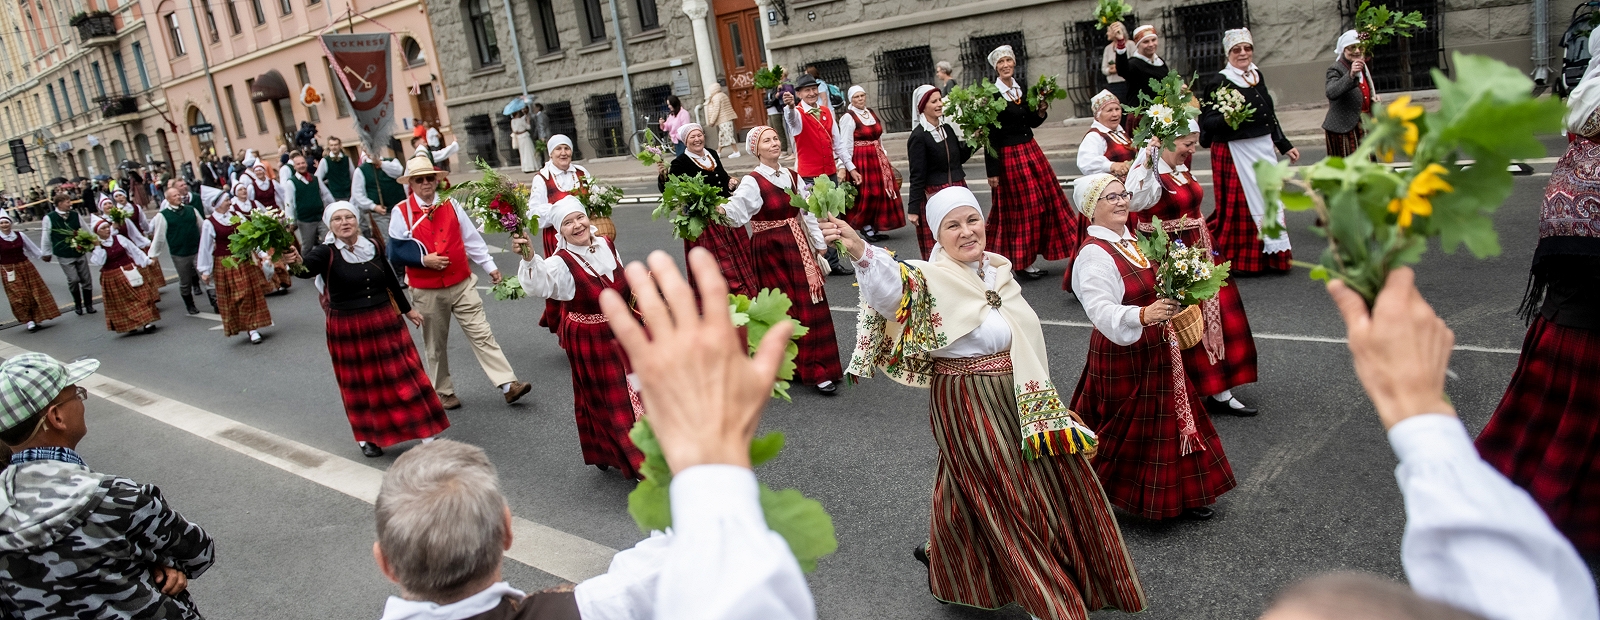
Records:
x=731, y=247
x=126, y=308
x=551, y=319
x=1126, y=395
x=878, y=201
x=1232, y=228
x=1031, y=215
x=779, y=265
x=925, y=239
x=387, y=395
x=153, y=277
x=602, y=402
x=1343, y=144
x=241, y=297
x=1545, y=435
x=1004, y=529
x=1116, y=151
x=30, y=298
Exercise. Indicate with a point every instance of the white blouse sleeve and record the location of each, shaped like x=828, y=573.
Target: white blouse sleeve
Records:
x=446, y=152
x=97, y=256
x=208, y=236
x=878, y=275
x=844, y=140
x=393, y=168
x=137, y=238
x=1092, y=154
x=547, y=278
x=538, y=199
x=745, y=201
x=1098, y=285
x=134, y=252
x=29, y=248
x=158, y=235
x=1143, y=182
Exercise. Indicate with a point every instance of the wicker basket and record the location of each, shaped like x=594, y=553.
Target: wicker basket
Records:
x=1190, y=326
x=604, y=227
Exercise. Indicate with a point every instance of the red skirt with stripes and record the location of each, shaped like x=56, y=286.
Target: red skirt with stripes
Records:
x=1031, y=216
x=925, y=240
x=387, y=395
x=778, y=265
x=1545, y=435
x=241, y=297
x=1232, y=228
x=878, y=201
x=603, y=405
x=731, y=247
x=30, y=298
x=127, y=308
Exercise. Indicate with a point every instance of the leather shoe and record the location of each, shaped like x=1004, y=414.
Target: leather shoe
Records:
x=830, y=388
x=1216, y=407
x=449, y=401
x=518, y=390
x=1202, y=513
x=371, y=450
x=921, y=554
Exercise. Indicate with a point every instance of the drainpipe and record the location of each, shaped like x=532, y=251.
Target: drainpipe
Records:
x=216, y=102
x=1541, y=41
x=516, y=50
x=622, y=56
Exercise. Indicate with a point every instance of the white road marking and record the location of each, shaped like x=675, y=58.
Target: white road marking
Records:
x=553, y=551
x=208, y=315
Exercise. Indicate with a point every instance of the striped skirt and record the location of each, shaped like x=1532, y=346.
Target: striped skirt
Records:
x=1007, y=530
x=1343, y=144
x=241, y=297
x=127, y=308
x=30, y=298
x=154, y=278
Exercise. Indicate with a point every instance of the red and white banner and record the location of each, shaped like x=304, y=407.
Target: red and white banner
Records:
x=362, y=63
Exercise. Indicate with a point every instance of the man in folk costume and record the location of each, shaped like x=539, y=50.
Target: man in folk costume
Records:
x=176, y=228
x=307, y=199
x=444, y=285
x=376, y=192
x=336, y=171
x=553, y=182
x=242, y=287
x=811, y=126
x=60, y=225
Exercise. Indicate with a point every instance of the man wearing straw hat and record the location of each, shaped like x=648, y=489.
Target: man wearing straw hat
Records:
x=444, y=285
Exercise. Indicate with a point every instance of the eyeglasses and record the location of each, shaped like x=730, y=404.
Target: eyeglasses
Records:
x=425, y=180
x=79, y=393
x=83, y=394
x=1118, y=197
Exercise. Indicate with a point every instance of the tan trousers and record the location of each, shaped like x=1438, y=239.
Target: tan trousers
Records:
x=461, y=300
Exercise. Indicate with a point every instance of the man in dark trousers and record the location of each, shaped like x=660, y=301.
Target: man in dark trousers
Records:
x=59, y=226
x=176, y=229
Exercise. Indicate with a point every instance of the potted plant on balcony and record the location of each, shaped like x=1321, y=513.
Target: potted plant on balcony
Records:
x=94, y=24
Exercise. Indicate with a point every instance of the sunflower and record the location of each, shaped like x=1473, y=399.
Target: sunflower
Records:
x=1402, y=110
x=1419, y=194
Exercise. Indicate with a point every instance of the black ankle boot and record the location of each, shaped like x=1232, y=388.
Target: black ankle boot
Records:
x=188, y=304
x=88, y=300
x=211, y=294
x=77, y=301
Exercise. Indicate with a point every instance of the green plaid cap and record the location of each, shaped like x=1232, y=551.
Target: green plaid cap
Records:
x=28, y=383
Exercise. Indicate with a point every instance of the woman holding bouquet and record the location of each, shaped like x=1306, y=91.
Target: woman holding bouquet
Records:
x=30, y=299
x=387, y=395
x=877, y=207
x=1030, y=216
x=1236, y=221
x=137, y=228
x=130, y=309
x=1138, y=63
x=242, y=288
x=788, y=254
x=553, y=182
x=1018, y=513
x=1162, y=187
x=1159, y=456
x=936, y=154
x=584, y=265
x=731, y=245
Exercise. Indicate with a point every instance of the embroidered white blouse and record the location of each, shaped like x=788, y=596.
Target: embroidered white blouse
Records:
x=1098, y=285
x=879, y=277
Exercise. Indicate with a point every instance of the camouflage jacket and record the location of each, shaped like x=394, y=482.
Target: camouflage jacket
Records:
x=79, y=544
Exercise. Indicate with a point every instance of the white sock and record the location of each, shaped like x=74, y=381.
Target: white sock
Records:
x=427, y=440
x=1223, y=396
x=255, y=334
x=505, y=388
x=32, y=324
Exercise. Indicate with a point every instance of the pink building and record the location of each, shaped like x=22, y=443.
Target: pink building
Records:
x=260, y=53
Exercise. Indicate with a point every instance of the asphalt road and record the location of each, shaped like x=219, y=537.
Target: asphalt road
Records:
x=1316, y=491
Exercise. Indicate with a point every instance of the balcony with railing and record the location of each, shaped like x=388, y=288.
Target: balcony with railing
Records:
x=118, y=108
x=96, y=29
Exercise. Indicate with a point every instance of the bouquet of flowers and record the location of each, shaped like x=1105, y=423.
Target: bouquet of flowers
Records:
x=499, y=206
x=768, y=78
x=826, y=200
x=117, y=216
x=1377, y=25
x=1165, y=116
x=1186, y=273
x=1377, y=217
x=260, y=231
x=598, y=200
x=1230, y=102
x=1107, y=12
x=654, y=150
x=692, y=204
x=976, y=111
x=1044, y=91
x=82, y=241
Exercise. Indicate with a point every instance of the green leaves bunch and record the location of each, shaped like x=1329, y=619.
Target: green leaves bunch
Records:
x=827, y=200
x=976, y=110
x=768, y=78
x=1377, y=25
x=495, y=201
x=1107, y=12
x=1186, y=273
x=769, y=308
x=1165, y=115
x=692, y=205
x=1044, y=91
x=261, y=231
x=81, y=240
x=598, y=200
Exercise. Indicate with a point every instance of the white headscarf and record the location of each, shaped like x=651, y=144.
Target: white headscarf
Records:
x=362, y=250
x=917, y=98
x=1585, y=99
x=863, y=116
x=946, y=200
x=1100, y=99
x=559, y=139
x=1349, y=38
x=1087, y=189
x=684, y=129
x=6, y=215
x=560, y=209
x=1235, y=37
x=1003, y=51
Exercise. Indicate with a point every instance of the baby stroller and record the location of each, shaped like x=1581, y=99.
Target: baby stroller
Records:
x=1575, y=47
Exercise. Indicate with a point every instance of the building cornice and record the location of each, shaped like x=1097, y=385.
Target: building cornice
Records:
x=572, y=80
x=198, y=73
x=919, y=18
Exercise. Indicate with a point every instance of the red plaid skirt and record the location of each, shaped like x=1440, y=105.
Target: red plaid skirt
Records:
x=925, y=239
x=387, y=395
x=30, y=298
x=602, y=404
x=1031, y=216
x=778, y=266
x=1232, y=228
x=876, y=204
x=1238, y=365
x=1545, y=435
x=154, y=277
x=731, y=246
x=1343, y=144
x=241, y=297
x=127, y=308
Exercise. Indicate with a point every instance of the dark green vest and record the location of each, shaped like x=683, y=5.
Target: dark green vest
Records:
x=58, y=240
x=183, y=231
x=338, y=178
x=382, y=188
x=307, y=200
x=194, y=203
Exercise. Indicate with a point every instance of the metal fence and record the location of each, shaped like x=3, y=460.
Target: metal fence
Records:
x=1403, y=63
x=975, y=57
x=899, y=73
x=835, y=71
x=605, y=125
x=651, y=103
x=1086, y=46
x=562, y=121
x=1193, y=35
x=480, y=139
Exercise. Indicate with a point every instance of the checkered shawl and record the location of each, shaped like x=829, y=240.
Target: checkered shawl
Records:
x=943, y=300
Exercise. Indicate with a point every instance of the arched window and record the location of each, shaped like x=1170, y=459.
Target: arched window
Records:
x=413, y=52
x=119, y=152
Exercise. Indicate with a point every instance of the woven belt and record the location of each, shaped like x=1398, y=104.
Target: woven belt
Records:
x=807, y=257
x=993, y=364
x=586, y=319
x=890, y=187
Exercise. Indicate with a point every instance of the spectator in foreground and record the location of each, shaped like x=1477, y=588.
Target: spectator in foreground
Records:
x=75, y=543
x=1342, y=596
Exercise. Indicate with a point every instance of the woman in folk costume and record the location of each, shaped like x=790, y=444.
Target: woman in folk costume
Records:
x=130, y=306
x=730, y=244
x=1236, y=221
x=555, y=181
x=1018, y=514
x=1158, y=456
x=1106, y=148
x=1350, y=96
x=1162, y=187
x=1138, y=63
x=789, y=254
x=936, y=154
x=242, y=288
x=1030, y=216
x=138, y=224
x=584, y=265
x=1544, y=433
x=387, y=395
x=31, y=301
x=878, y=206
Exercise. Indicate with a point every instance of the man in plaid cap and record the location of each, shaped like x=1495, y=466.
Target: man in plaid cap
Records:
x=75, y=543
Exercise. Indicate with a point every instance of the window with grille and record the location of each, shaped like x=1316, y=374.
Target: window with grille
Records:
x=648, y=18
x=1403, y=63
x=562, y=121
x=605, y=125
x=1193, y=35
x=549, y=32
x=481, y=140
x=480, y=25
x=592, y=21
x=899, y=73
x=835, y=72
x=975, y=57
x=651, y=103
x=1086, y=48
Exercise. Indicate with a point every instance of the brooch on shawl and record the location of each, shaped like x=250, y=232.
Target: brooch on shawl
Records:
x=993, y=298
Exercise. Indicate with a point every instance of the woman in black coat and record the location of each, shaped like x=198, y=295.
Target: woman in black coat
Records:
x=1350, y=95
x=731, y=245
x=936, y=153
x=1139, y=65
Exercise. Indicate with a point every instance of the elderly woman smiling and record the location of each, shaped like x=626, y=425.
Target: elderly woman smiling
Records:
x=1018, y=515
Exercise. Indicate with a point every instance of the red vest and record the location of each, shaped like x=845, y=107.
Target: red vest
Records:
x=1116, y=151
x=13, y=252
x=814, y=146
x=219, y=247
x=267, y=197
x=117, y=257
x=868, y=133
x=439, y=231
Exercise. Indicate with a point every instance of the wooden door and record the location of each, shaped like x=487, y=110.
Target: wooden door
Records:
x=742, y=54
x=427, y=106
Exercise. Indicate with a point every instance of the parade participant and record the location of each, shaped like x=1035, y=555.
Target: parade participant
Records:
x=444, y=286
x=1351, y=95
x=936, y=154
x=376, y=192
x=336, y=171
x=1162, y=187
x=586, y=264
x=1240, y=207
x=811, y=127
x=60, y=224
x=787, y=249
x=386, y=394
x=1543, y=433
x=241, y=289
x=1030, y=216
x=878, y=207
x=1141, y=64
x=264, y=190
x=730, y=244
x=135, y=211
x=130, y=304
x=522, y=136
x=1159, y=456
x=136, y=231
x=1016, y=516
x=1115, y=83
x=558, y=178
x=31, y=301
x=1106, y=148
x=308, y=197
x=176, y=229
